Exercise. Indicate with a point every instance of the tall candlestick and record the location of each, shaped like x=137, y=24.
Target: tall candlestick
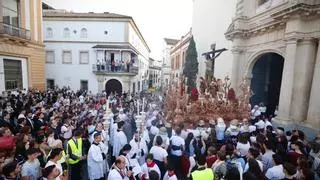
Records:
x=107, y=109
x=138, y=106
x=143, y=100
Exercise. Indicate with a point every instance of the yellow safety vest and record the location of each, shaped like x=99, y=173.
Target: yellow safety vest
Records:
x=77, y=151
x=206, y=174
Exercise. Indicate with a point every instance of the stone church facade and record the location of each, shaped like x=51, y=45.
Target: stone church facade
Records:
x=276, y=42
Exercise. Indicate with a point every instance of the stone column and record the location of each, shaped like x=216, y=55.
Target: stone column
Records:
x=314, y=103
x=287, y=82
x=235, y=77
x=303, y=74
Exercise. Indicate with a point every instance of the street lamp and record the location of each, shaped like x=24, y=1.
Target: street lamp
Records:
x=212, y=55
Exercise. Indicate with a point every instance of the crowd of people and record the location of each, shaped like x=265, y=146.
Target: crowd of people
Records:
x=63, y=134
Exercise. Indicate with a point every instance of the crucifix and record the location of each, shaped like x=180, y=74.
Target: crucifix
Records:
x=212, y=55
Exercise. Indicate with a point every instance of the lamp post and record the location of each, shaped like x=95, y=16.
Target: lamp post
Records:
x=212, y=55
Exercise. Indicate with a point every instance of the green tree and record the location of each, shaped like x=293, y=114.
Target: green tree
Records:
x=190, y=69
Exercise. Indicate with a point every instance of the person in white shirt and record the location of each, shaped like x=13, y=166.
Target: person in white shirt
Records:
x=96, y=158
x=262, y=108
x=119, y=171
x=253, y=154
x=255, y=112
x=243, y=144
x=276, y=172
x=260, y=124
x=165, y=139
x=267, y=157
x=53, y=159
x=160, y=155
x=170, y=175
x=177, y=147
x=150, y=165
x=66, y=130
x=244, y=128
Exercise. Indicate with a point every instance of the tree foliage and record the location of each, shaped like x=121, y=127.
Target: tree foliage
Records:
x=190, y=69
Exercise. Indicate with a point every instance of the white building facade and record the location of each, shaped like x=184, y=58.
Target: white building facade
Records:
x=166, y=67
x=276, y=49
x=209, y=22
x=94, y=51
x=178, y=55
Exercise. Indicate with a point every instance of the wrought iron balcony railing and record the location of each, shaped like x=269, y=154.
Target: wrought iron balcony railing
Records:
x=108, y=69
x=14, y=31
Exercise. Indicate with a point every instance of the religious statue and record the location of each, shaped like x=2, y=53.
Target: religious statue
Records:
x=203, y=85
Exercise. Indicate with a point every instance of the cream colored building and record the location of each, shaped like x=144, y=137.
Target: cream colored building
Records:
x=276, y=48
x=178, y=55
x=21, y=47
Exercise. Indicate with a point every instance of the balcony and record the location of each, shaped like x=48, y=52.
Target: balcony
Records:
x=15, y=31
x=114, y=70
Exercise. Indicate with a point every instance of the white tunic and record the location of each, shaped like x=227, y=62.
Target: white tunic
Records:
x=136, y=148
x=146, y=169
x=114, y=174
x=95, y=162
x=120, y=139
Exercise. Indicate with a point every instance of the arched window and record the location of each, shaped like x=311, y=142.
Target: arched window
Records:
x=66, y=32
x=83, y=33
x=49, y=32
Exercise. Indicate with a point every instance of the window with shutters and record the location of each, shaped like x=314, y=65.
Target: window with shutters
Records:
x=84, y=57
x=12, y=74
x=50, y=83
x=66, y=57
x=84, y=85
x=49, y=33
x=66, y=32
x=83, y=33
x=49, y=56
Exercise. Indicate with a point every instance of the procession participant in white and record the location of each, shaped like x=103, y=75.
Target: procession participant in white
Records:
x=170, y=175
x=119, y=171
x=160, y=155
x=139, y=147
x=120, y=139
x=260, y=124
x=165, y=139
x=233, y=129
x=244, y=126
x=262, y=108
x=220, y=128
x=96, y=159
x=255, y=112
x=150, y=165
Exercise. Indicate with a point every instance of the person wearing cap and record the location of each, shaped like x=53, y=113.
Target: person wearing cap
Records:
x=21, y=122
x=165, y=139
x=96, y=159
x=255, y=112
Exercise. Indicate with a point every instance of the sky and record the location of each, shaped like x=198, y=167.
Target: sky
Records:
x=156, y=19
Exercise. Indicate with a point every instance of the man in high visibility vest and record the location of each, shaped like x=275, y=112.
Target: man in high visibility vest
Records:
x=76, y=155
x=202, y=172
